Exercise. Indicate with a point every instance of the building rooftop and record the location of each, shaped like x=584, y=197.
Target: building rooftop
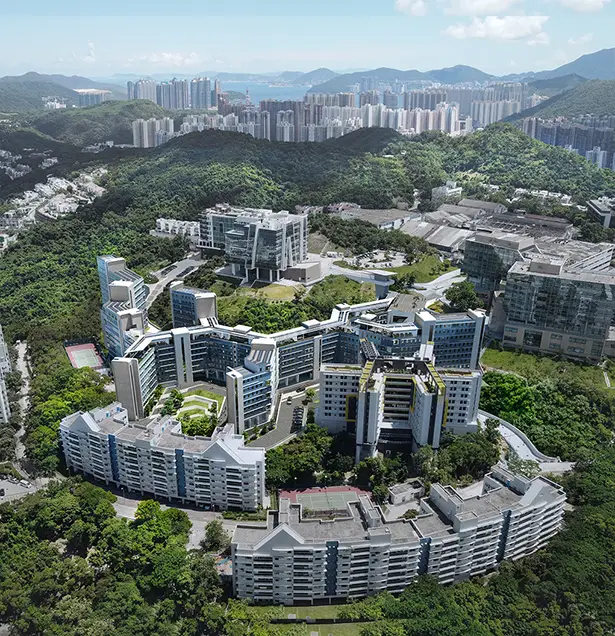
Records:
x=442, y=515
x=551, y=269
x=377, y=217
x=488, y=206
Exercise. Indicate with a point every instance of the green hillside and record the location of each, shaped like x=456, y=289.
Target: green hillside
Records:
x=595, y=97
x=18, y=96
x=504, y=156
x=72, y=82
x=556, y=85
x=200, y=169
x=107, y=121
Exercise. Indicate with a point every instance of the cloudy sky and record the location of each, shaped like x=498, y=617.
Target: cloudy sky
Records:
x=136, y=36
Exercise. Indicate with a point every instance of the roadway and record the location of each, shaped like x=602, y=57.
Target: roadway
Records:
x=176, y=271
x=526, y=451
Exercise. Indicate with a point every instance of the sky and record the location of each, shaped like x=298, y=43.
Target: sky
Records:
x=141, y=37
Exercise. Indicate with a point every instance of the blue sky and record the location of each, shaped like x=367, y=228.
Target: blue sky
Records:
x=133, y=36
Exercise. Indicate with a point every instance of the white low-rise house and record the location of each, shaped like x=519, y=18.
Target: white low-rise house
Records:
x=175, y=227
x=297, y=560
x=154, y=456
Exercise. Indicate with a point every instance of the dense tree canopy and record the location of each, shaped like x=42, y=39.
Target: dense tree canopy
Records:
x=561, y=418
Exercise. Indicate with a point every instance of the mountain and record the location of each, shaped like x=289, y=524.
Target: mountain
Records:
x=107, y=121
x=460, y=74
x=599, y=65
x=453, y=75
x=18, y=96
x=73, y=82
x=289, y=76
x=345, y=82
x=596, y=97
x=556, y=85
x=317, y=76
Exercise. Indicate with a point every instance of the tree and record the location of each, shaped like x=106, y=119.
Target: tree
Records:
x=310, y=394
x=462, y=296
x=403, y=282
x=216, y=538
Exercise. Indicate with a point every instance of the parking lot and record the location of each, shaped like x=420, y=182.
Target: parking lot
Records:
x=13, y=490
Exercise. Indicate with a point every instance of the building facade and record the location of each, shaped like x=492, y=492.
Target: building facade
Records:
x=556, y=310
x=260, y=244
x=155, y=457
x=123, y=315
x=398, y=404
x=256, y=368
x=299, y=560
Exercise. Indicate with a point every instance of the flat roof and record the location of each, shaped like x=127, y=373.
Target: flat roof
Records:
x=378, y=216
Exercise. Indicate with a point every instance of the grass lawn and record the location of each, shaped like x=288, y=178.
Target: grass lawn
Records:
x=206, y=394
x=271, y=292
x=425, y=270
x=536, y=368
x=317, y=243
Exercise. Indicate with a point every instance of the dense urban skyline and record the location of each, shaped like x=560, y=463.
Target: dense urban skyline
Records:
x=495, y=35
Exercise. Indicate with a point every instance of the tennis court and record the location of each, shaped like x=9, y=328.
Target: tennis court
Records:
x=326, y=500
x=84, y=355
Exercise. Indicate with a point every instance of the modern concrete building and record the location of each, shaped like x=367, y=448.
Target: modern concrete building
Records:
x=192, y=307
x=449, y=189
x=397, y=404
x=603, y=210
x=299, y=560
x=552, y=309
x=5, y=367
x=255, y=367
x=123, y=314
x=488, y=257
x=155, y=457
x=260, y=244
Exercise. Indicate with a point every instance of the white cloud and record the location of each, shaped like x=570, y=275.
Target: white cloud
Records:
x=91, y=56
x=506, y=28
x=582, y=39
x=540, y=39
x=585, y=6
x=480, y=7
x=412, y=7
x=168, y=60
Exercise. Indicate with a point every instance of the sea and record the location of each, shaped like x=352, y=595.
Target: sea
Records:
x=260, y=91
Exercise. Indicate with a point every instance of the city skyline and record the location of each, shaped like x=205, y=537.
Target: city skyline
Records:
x=498, y=36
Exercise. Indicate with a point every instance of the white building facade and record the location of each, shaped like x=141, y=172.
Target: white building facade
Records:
x=155, y=457
x=298, y=560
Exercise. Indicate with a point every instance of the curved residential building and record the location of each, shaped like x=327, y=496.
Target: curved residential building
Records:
x=154, y=457
x=294, y=559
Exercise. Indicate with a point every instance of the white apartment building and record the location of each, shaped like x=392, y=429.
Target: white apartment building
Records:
x=175, y=227
x=155, y=457
x=398, y=403
x=5, y=367
x=294, y=559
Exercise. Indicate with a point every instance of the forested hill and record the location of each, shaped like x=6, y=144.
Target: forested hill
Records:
x=595, y=97
x=201, y=169
x=373, y=140
x=18, y=96
x=108, y=121
x=501, y=155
